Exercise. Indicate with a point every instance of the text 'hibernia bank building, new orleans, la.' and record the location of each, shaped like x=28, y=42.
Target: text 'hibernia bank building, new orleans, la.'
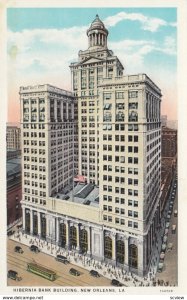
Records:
x=91, y=159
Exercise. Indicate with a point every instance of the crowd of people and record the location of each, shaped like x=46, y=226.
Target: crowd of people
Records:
x=106, y=269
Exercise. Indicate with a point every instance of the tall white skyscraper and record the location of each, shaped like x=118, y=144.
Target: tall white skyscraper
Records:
x=112, y=212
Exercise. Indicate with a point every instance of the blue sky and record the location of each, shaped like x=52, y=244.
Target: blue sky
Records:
x=42, y=42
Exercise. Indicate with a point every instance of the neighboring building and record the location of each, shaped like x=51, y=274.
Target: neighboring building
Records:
x=173, y=124
x=49, y=135
x=13, y=153
x=164, y=119
x=169, y=142
x=113, y=213
x=167, y=175
x=13, y=137
x=14, y=191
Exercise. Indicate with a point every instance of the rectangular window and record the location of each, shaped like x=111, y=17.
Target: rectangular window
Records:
x=117, y=220
x=107, y=96
x=133, y=94
x=116, y=199
x=122, y=211
x=135, y=225
x=117, y=210
x=119, y=95
x=122, y=201
x=122, y=191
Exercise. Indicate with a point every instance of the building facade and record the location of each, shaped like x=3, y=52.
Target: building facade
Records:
x=13, y=136
x=169, y=142
x=114, y=214
x=164, y=120
x=14, y=191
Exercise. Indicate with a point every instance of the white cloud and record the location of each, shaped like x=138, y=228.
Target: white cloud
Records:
x=148, y=23
x=49, y=52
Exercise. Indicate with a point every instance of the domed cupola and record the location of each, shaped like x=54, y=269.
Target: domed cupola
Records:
x=97, y=34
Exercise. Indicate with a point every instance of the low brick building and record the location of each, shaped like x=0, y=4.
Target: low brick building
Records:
x=169, y=142
x=14, y=191
x=167, y=175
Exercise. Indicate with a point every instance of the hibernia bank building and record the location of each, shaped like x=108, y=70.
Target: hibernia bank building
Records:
x=91, y=159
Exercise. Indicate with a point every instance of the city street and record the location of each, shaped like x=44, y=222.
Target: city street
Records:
x=18, y=262
x=170, y=270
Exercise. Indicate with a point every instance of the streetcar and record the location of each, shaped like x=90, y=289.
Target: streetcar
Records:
x=41, y=271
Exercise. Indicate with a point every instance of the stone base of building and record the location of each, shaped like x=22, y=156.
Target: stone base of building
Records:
x=91, y=240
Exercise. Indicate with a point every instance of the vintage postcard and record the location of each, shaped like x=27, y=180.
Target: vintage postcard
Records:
x=93, y=118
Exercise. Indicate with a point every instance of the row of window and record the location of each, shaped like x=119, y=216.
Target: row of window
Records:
x=120, y=221
x=120, y=200
x=33, y=183
x=120, y=148
x=34, y=101
x=34, y=192
x=117, y=220
x=34, y=143
x=121, y=159
x=35, y=200
x=34, y=168
x=120, y=127
x=52, y=127
x=120, y=95
x=121, y=211
x=120, y=190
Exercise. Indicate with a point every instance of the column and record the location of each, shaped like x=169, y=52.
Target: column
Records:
x=89, y=240
x=99, y=39
x=31, y=221
x=126, y=251
x=67, y=235
x=47, y=226
x=57, y=231
x=55, y=109
x=39, y=224
x=23, y=218
x=114, y=247
x=141, y=270
x=78, y=241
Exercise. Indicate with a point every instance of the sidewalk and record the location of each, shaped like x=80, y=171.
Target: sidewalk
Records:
x=105, y=269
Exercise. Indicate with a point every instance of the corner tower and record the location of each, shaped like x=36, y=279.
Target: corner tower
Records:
x=94, y=64
x=97, y=34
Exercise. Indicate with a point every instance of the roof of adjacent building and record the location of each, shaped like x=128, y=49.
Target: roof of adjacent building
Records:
x=164, y=128
x=13, y=166
x=87, y=194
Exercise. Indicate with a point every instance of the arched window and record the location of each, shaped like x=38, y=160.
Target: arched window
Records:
x=43, y=226
x=133, y=256
x=63, y=234
x=35, y=223
x=73, y=237
x=108, y=247
x=120, y=251
x=27, y=221
x=83, y=240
